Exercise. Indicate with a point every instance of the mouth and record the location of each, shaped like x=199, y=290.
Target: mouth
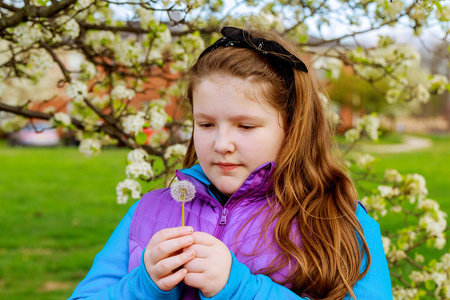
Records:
x=226, y=166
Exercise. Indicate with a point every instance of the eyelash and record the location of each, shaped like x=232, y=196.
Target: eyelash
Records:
x=205, y=125
x=247, y=127
x=209, y=125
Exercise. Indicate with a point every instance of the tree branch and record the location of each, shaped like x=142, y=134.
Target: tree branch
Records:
x=29, y=11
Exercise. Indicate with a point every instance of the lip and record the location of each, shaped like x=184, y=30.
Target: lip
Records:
x=226, y=166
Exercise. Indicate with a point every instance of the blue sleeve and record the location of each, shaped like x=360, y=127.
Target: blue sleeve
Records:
x=109, y=277
x=244, y=285
x=376, y=284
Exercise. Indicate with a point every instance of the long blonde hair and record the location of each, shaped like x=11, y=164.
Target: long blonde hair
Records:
x=315, y=194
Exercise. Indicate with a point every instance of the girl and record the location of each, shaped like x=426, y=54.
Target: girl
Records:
x=274, y=215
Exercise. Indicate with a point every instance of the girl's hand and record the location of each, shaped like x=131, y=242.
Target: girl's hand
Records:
x=164, y=254
x=210, y=269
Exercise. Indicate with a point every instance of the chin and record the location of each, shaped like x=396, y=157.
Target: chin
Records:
x=226, y=190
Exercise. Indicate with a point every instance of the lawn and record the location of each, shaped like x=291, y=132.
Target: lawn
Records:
x=58, y=210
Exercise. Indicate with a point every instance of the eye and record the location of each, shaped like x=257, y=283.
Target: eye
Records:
x=247, y=127
x=205, y=125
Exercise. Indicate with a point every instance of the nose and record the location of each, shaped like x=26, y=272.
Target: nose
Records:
x=224, y=142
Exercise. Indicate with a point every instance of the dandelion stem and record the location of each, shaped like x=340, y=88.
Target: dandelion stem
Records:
x=182, y=209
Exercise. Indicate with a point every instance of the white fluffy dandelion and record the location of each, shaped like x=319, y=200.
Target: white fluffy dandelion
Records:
x=182, y=191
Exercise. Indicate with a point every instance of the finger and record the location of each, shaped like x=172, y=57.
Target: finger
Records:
x=195, y=280
x=168, y=248
x=197, y=265
x=167, y=266
x=169, y=282
x=169, y=233
x=204, y=238
x=201, y=251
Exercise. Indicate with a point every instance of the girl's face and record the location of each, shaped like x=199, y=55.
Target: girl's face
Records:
x=233, y=134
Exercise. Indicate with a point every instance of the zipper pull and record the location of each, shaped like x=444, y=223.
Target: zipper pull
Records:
x=223, y=219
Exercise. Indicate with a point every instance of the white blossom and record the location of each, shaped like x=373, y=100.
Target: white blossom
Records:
x=417, y=276
x=99, y=39
x=27, y=34
x=82, y=4
x=396, y=255
x=392, y=95
x=364, y=161
x=39, y=63
x=127, y=188
x=88, y=70
x=330, y=64
x=370, y=124
x=444, y=262
x=387, y=191
x=420, y=93
x=386, y=244
x=61, y=118
x=139, y=169
x=120, y=92
x=127, y=52
x=99, y=100
x=187, y=128
x=438, y=83
x=392, y=175
x=147, y=19
x=10, y=122
x=440, y=242
x=134, y=123
x=443, y=16
x=434, y=223
x=89, y=147
x=375, y=203
x=175, y=151
x=419, y=258
x=158, y=117
x=428, y=204
x=391, y=8
x=402, y=293
x=439, y=278
x=69, y=26
x=415, y=184
x=77, y=90
x=137, y=155
x=396, y=209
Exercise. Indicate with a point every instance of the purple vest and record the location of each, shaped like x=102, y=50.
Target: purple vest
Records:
x=158, y=210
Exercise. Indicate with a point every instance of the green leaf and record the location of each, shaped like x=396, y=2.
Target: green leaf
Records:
x=430, y=285
x=141, y=138
x=433, y=263
x=438, y=5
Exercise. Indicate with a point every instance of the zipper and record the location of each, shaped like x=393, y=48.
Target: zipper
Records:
x=223, y=218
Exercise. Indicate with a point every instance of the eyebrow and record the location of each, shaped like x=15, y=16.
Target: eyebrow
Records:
x=234, y=118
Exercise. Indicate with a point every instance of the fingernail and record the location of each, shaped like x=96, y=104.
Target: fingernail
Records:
x=188, y=229
x=189, y=239
x=191, y=254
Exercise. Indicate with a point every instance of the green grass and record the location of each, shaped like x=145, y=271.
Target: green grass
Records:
x=58, y=209
x=434, y=165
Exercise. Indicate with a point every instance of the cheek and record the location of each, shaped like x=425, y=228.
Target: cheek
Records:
x=200, y=143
